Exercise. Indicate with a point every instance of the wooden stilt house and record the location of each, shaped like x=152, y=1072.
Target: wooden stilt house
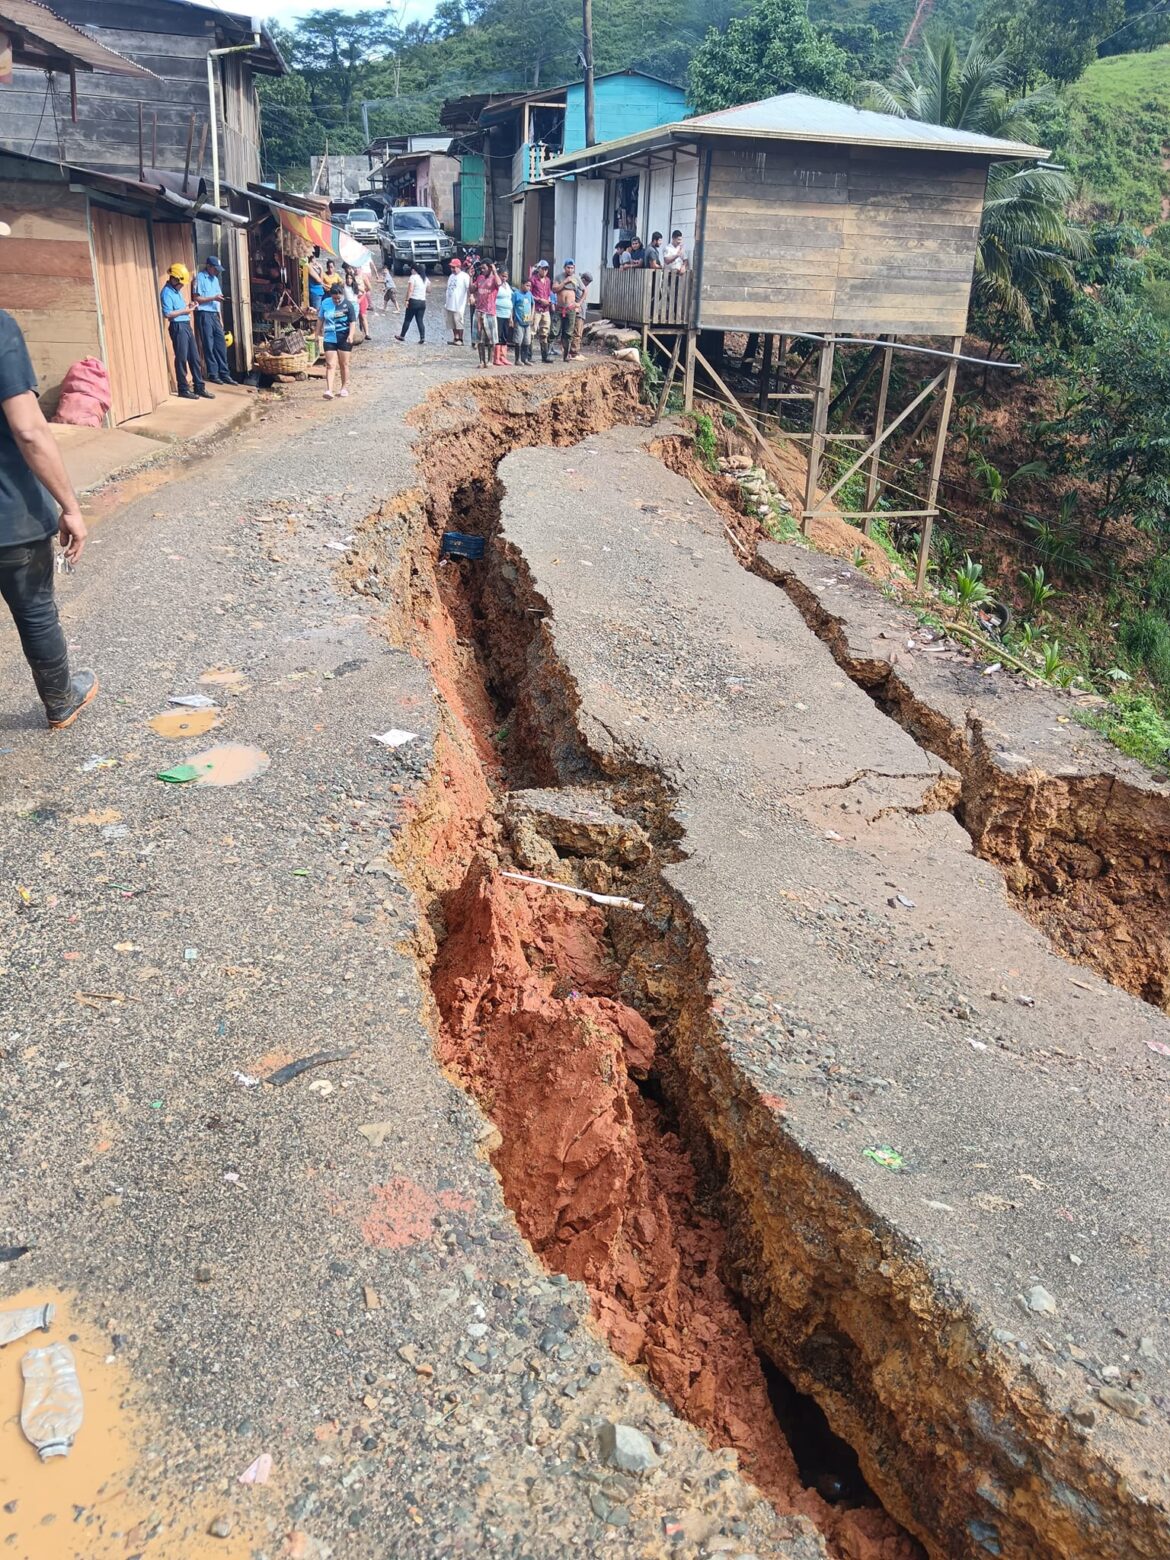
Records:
x=804, y=218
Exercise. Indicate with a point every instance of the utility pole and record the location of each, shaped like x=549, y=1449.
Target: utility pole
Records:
x=366, y=119
x=587, y=28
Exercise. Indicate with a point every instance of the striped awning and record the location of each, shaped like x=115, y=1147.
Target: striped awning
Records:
x=329, y=239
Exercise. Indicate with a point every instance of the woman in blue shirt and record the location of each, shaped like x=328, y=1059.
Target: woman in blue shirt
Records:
x=336, y=325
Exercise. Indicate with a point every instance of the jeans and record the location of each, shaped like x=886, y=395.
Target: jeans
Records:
x=183, y=343
x=568, y=329
x=214, y=347
x=522, y=339
x=26, y=584
x=415, y=310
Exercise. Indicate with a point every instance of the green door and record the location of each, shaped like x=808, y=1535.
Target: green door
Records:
x=471, y=202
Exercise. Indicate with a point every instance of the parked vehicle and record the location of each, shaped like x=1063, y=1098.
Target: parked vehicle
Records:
x=362, y=223
x=411, y=235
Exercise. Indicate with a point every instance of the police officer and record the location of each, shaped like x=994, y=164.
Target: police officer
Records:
x=177, y=313
x=207, y=293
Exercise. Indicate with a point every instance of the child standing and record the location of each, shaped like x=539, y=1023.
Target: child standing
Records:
x=523, y=310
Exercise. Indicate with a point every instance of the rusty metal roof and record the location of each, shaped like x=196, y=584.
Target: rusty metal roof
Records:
x=43, y=39
x=795, y=116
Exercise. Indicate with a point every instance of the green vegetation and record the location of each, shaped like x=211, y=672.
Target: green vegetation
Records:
x=1134, y=723
x=705, y=442
x=772, y=48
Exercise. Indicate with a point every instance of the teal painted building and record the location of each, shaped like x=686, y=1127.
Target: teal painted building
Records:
x=624, y=103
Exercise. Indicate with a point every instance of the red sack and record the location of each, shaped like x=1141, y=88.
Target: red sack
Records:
x=85, y=395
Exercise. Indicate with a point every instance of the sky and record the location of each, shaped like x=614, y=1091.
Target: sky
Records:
x=287, y=11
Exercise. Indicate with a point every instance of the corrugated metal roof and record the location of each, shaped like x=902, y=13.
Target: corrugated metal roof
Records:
x=795, y=116
x=56, y=39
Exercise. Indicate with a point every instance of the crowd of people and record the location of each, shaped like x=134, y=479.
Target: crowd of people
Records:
x=655, y=256
x=535, y=310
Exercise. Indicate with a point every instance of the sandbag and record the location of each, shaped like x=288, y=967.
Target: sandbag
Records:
x=85, y=394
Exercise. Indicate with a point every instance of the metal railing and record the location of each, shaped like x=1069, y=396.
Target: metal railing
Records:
x=630, y=297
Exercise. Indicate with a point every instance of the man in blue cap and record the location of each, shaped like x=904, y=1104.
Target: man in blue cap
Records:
x=208, y=291
x=177, y=313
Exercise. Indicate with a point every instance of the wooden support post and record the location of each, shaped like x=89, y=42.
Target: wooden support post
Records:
x=645, y=338
x=765, y=374
x=669, y=380
x=733, y=401
x=820, y=422
x=940, y=445
x=873, y=481
x=689, y=371
x=187, y=159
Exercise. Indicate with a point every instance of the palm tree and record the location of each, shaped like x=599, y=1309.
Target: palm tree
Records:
x=1026, y=243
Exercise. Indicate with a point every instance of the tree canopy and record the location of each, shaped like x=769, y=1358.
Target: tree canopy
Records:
x=773, y=48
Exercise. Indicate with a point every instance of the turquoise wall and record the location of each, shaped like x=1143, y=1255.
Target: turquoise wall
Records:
x=623, y=106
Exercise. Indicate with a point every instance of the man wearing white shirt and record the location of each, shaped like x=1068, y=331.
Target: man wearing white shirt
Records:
x=458, y=284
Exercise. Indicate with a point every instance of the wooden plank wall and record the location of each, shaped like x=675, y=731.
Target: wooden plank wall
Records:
x=106, y=133
x=849, y=240
x=46, y=278
x=130, y=313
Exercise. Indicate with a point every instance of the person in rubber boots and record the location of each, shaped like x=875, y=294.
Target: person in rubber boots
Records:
x=36, y=500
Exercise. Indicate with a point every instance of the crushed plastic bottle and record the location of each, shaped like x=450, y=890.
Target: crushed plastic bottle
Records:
x=52, y=1409
x=15, y=1324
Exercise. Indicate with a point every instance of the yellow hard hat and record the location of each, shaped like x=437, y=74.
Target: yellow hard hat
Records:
x=228, y=339
x=180, y=272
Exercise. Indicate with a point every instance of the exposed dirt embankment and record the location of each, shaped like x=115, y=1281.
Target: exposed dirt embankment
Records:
x=1085, y=855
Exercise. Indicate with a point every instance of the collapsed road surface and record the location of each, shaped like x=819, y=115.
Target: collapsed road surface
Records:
x=814, y=1116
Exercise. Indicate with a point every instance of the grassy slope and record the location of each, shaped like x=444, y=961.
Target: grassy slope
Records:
x=1127, y=81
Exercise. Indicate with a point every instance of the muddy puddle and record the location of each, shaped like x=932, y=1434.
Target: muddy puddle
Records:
x=94, y=1503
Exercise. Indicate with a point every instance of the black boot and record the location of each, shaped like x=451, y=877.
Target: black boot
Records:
x=63, y=695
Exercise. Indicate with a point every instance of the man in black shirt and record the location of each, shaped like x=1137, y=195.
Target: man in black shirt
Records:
x=32, y=476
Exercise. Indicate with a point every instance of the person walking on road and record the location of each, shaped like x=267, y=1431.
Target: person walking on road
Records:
x=542, y=302
x=416, y=304
x=336, y=329
x=208, y=295
x=487, y=285
x=523, y=311
x=503, y=320
x=36, y=500
x=177, y=313
x=455, y=302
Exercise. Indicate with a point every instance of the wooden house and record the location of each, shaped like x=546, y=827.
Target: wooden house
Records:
x=801, y=218
x=504, y=143
x=81, y=272
x=196, y=113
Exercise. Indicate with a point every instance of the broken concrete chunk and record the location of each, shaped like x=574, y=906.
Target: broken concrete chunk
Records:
x=578, y=822
x=1131, y=1404
x=626, y=1448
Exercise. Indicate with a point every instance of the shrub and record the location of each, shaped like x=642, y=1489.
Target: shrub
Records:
x=1145, y=638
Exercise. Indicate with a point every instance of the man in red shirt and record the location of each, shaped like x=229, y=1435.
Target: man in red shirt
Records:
x=486, y=287
x=542, y=298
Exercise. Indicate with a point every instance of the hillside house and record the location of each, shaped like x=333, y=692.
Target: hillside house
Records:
x=195, y=114
x=802, y=218
x=504, y=142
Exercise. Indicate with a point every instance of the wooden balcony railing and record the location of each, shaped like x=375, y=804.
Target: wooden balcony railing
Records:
x=630, y=297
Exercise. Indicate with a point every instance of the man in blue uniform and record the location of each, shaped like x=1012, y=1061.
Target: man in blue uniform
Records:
x=208, y=296
x=177, y=313
x=36, y=500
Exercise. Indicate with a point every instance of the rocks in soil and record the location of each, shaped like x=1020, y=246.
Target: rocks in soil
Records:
x=759, y=493
x=626, y=1448
x=1131, y=1405
x=1039, y=1300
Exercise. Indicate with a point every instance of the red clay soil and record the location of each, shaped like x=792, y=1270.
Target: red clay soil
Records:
x=602, y=1189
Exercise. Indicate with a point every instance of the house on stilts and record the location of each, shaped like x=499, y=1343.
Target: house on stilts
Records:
x=803, y=220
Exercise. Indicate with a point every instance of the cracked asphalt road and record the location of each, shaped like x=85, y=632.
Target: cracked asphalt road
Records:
x=250, y=1273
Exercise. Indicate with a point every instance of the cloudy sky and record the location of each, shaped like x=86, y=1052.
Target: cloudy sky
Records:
x=286, y=11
